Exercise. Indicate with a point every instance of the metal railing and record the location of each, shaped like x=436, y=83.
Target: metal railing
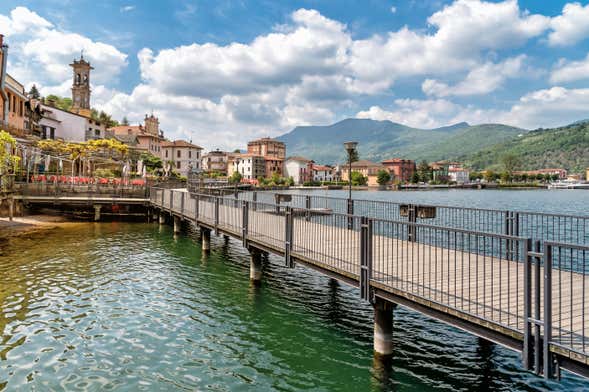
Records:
x=539, y=226
x=88, y=190
x=525, y=287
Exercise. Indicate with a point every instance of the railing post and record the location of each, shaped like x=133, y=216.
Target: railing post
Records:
x=548, y=359
x=217, y=215
x=171, y=200
x=350, y=213
x=307, y=208
x=244, y=222
x=527, y=351
x=182, y=204
x=537, y=308
x=288, y=234
x=163, y=195
x=412, y=217
x=255, y=200
x=365, y=257
x=196, y=208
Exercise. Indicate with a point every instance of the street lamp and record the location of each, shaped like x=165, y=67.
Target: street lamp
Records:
x=351, y=149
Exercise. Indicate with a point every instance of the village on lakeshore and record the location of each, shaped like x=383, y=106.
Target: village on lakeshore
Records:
x=56, y=135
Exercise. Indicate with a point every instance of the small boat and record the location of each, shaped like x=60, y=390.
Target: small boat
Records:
x=568, y=184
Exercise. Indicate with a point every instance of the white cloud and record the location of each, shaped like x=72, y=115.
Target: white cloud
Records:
x=542, y=108
x=393, y=9
x=36, y=44
x=482, y=79
x=571, y=26
x=127, y=8
x=570, y=71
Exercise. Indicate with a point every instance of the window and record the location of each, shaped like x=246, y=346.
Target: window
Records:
x=97, y=132
x=178, y=165
x=166, y=153
x=178, y=154
x=189, y=154
x=52, y=133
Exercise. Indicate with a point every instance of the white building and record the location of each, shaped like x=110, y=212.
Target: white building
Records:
x=217, y=161
x=184, y=156
x=250, y=166
x=61, y=124
x=322, y=173
x=299, y=168
x=458, y=175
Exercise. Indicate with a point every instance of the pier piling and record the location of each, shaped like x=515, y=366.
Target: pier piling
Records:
x=206, y=239
x=383, y=327
x=97, y=208
x=177, y=225
x=255, y=266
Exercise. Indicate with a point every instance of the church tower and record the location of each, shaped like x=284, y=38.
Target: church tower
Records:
x=81, y=86
x=152, y=125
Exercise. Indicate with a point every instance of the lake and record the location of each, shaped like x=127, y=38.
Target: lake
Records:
x=130, y=306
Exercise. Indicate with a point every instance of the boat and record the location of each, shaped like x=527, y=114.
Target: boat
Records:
x=568, y=184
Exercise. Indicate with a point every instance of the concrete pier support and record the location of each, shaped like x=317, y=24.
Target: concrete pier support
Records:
x=177, y=225
x=97, y=208
x=206, y=239
x=255, y=266
x=383, y=327
x=162, y=219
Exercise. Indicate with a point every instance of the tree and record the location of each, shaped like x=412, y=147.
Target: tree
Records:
x=490, y=176
x=424, y=171
x=235, y=178
x=415, y=178
x=125, y=122
x=34, y=92
x=8, y=161
x=275, y=178
x=505, y=176
x=511, y=163
x=237, y=151
x=151, y=162
x=358, y=178
x=290, y=181
x=353, y=157
x=383, y=177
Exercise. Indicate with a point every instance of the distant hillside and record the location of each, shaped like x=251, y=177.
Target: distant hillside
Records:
x=380, y=140
x=566, y=147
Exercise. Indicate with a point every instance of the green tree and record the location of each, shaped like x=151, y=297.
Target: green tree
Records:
x=290, y=181
x=151, y=162
x=424, y=171
x=125, y=121
x=8, y=161
x=510, y=162
x=358, y=178
x=34, y=92
x=505, y=176
x=235, y=178
x=353, y=157
x=415, y=177
x=490, y=176
x=383, y=177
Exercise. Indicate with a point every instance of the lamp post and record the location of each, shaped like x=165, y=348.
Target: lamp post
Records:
x=350, y=149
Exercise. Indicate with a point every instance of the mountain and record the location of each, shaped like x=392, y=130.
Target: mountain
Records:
x=566, y=147
x=379, y=140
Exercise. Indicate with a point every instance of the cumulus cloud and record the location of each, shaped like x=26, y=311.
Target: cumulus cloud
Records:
x=482, y=79
x=570, y=71
x=571, y=26
x=36, y=44
x=541, y=108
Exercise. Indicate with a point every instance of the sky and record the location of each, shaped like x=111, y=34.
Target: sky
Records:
x=222, y=72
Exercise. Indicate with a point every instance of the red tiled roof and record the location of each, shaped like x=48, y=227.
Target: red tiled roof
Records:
x=180, y=143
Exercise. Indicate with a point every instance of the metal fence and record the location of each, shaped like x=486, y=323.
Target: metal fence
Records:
x=524, y=285
x=55, y=189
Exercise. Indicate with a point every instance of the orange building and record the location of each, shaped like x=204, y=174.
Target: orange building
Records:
x=402, y=169
x=273, y=151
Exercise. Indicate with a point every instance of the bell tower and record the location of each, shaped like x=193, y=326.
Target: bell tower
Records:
x=81, y=86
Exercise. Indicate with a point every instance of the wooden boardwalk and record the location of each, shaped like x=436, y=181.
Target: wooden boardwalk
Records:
x=476, y=281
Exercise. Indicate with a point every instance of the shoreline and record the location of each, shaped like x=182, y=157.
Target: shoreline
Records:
x=30, y=224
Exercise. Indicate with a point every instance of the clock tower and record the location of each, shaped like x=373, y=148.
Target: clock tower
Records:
x=81, y=86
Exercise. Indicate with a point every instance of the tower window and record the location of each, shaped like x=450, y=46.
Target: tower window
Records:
x=179, y=153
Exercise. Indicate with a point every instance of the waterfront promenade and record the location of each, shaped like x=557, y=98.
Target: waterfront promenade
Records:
x=490, y=284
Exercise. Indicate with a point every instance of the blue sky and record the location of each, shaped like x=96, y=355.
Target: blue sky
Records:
x=222, y=72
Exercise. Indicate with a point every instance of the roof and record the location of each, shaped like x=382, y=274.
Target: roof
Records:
x=127, y=139
x=457, y=170
x=264, y=140
x=321, y=168
x=180, y=143
x=398, y=160
x=301, y=159
x=364, y=163
x=124, y=129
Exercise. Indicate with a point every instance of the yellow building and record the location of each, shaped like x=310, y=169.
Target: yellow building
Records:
x=366, y=168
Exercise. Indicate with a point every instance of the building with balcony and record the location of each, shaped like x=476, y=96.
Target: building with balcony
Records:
x=250, y=166
x=217, y=161
x=299, y=168
x=322, y=173
x=184, y=156
x=273, y=151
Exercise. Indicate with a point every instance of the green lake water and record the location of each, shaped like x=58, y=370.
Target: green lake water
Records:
x=130, y=306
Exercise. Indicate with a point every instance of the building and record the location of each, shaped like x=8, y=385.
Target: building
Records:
x=561, y=173
x=12, y=96
x=322, y=173
x=401, y=169
x=183, y=155
x=459, y=175
x=61, y=124
x=587, y=174
x=250, y=166
x=217, y=161
x=81, y=86
x=273, y=151
x=441, y=169
x=149, y=137
x=366, y=168
x=299, y=168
